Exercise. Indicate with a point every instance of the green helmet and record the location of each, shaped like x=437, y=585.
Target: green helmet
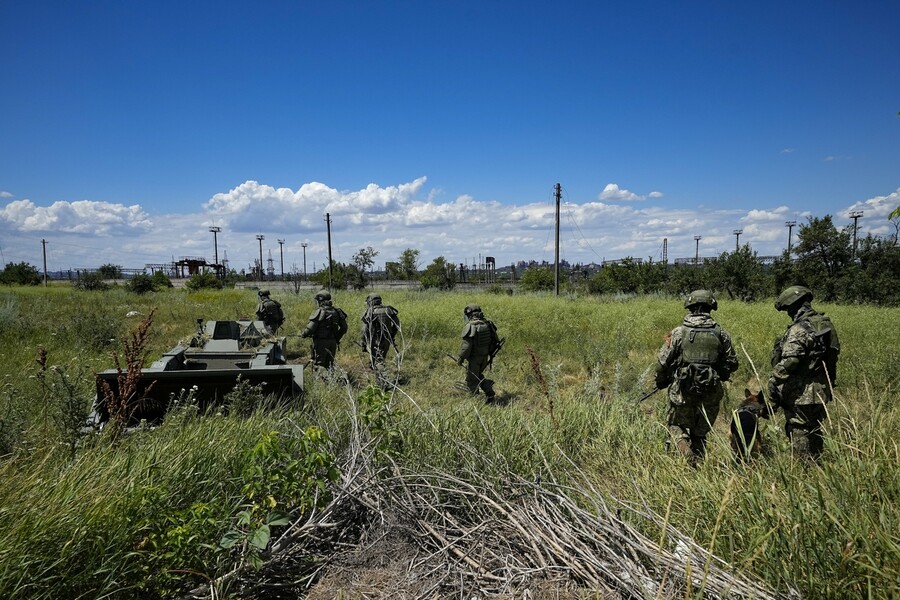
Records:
x=373, y=299
x=793, y=295
x=322, y=296
x=470, y=310
x=701, y=297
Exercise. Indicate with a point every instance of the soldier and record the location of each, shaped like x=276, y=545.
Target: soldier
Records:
x=327, y=325
x=480, y=343
x=804, y=367
x=694, y=361
x=380, y=325
x=269, y=312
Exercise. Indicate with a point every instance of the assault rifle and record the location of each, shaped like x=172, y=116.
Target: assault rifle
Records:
x=495, y=352
x=648, y=394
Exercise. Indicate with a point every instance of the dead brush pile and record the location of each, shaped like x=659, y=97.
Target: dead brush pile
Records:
x=391, y=533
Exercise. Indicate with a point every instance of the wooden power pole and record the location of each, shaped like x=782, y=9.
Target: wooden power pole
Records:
x=556, y=253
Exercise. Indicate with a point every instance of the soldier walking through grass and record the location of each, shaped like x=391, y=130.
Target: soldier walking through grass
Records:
x=327, y=325
x=380, y=325
x=480, y=343
x=804, y=370
x=269, y=312
x=695, y=359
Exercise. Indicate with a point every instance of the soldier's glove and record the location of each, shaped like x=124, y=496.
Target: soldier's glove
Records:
x=662, y=381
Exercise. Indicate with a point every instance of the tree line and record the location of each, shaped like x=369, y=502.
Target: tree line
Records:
x=828, y=260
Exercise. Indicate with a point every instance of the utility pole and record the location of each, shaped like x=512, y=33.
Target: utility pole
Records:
x=855, y=215
x=556, y=253
x=215, y=231
x=260, y=237
x=665, y=252
x=330, y=261
x=737, y=239
x=304, y=244
x=790, y=226
x=697, y=250
x=44, y=249
x=281, y=250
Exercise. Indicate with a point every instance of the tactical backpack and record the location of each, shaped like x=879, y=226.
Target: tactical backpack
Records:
x=484, y=336
x=826, y=347
x=333, y=323
x=273, y=310
x=700, y=351
x=383, y=322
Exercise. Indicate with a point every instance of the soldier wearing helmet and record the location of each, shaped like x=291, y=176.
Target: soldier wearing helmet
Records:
x=479, y=342
x=327, y=325
x=380, y=325
x=804, y=370
x=269, y=312
x=695, y=359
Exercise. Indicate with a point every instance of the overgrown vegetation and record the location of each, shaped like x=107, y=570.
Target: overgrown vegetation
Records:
x=219, y=502
x=20, y=274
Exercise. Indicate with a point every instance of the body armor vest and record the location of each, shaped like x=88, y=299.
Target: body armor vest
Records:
x=700, y=346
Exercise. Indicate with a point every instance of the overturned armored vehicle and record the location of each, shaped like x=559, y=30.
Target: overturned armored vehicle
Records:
x=208, y=367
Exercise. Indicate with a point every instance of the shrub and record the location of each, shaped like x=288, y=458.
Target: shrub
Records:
x=203, y=281
x=91, y=282
x=536, y=279
x=161, y=280
x=141, y=284
x=20, y=273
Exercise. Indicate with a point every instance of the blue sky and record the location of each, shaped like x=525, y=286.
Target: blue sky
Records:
x=127, y=129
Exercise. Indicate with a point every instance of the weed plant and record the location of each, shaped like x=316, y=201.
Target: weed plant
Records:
x=146, y=516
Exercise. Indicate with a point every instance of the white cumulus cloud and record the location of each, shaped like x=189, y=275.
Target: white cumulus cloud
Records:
x=82, y=216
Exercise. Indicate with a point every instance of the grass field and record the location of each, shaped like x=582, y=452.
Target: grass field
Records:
x=145, y=516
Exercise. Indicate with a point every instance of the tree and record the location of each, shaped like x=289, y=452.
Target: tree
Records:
x=739, y=274
x=392, y=270
x=683, y=279
x=110, y=271
x=894, y=220
x=363, y=260
x=342, y=276
x=409, y=264
x=625, y=276
x=20, y=273
x=823, y=254
x=874, y=278
x=537, y=279
x=439, y=274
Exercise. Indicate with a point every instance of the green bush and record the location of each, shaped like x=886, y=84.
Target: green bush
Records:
x=20, y=273
x=203, y=281
x=536, y=279
x=90, y=282
x=140, y=284
x=161, y=280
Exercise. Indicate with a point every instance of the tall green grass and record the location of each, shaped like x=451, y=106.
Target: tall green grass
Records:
x=90, y=525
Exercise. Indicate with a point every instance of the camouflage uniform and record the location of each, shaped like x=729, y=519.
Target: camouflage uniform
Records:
x=697, y=357
x=380, y=323
x=804, y=360
x=479, y=339
x=269, y=312
x=327, y=325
